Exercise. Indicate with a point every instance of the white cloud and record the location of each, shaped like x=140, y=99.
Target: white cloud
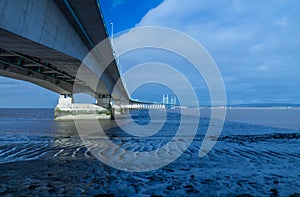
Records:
x=242, y=36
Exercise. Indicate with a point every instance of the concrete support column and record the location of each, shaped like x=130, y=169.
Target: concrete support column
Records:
x=65, y=99
x=104, y=100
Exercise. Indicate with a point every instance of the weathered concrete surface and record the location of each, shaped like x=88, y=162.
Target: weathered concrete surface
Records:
x=66, y=109
x=42, y=22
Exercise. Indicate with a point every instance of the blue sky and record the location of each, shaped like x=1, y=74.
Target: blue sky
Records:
x=255, y=44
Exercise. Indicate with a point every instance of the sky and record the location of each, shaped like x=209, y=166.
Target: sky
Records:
x=255, y=44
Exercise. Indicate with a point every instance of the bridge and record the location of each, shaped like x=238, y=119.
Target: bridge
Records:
x=45, y=42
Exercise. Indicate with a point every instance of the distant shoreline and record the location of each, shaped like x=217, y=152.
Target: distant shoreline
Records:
x=242, y=106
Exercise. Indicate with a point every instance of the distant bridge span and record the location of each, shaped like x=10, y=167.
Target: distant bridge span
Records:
x=44, y=42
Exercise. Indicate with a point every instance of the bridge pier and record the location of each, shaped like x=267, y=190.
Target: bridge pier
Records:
x=103, y=100
x=65, y=99
x=66, y=109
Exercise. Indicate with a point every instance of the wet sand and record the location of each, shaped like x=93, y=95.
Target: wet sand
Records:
x=45, y=158
x=58, y=177
x=239, y=175
x=87, y=177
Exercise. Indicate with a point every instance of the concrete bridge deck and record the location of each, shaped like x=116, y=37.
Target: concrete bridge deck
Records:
x=44, y=42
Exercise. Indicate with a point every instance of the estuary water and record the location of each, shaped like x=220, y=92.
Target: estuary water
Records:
x=257, y=154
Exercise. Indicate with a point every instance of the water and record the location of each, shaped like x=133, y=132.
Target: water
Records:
x=40, y=156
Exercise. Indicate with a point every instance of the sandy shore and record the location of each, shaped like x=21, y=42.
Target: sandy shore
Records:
x=47, y=177
x=47, y=158
x=89, y=177
x=83, y=177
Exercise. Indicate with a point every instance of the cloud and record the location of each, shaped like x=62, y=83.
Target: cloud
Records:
x=252, y=42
